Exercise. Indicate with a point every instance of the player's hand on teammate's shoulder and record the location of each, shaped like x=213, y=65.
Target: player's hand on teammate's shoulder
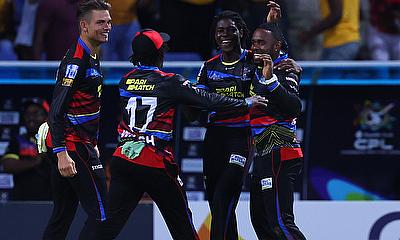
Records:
x=257, y=101
x=289, y=65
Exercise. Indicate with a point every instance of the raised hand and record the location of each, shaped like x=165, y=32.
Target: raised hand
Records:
x=274, y=13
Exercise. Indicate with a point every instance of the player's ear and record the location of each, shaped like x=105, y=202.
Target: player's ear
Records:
x=277, y=46
x=83, y=26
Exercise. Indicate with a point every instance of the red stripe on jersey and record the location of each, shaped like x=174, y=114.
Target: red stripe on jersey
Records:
x=163, y=122
x=48, y=140
x=82, y=95
x=147, y=157
x=78, y=51
x=164, y=73
x=265, y=120
x=81, y=103
x=129, y=73
x=240, y=119
x=74, y=138
x=70, y=146
x=215, y=57
x=290, y=153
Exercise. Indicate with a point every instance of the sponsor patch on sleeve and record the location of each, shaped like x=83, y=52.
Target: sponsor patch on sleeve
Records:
x=71, y=71
x=67, y=82
x=238, y=160
x=266, y=183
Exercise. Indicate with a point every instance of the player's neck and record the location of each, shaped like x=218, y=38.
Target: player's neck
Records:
x=93, y=46
x=231, y=56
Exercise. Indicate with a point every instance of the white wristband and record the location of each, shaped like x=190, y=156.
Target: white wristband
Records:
x=264, y=81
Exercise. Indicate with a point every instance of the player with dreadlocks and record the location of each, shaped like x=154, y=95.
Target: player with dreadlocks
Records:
x=228, y=138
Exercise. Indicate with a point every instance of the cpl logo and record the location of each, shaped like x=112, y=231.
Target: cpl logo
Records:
x=378, y=226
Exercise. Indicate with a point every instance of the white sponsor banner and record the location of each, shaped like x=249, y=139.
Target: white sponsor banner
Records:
x=328, y=220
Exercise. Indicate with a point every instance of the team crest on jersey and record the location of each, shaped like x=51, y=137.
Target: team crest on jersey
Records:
x=266, y=183
x=71, y=71
x=237, y=159
x=67, y=82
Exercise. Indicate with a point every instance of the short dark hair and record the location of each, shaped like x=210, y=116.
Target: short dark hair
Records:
x=276, y=32
x=237, y=19
x=86, y=6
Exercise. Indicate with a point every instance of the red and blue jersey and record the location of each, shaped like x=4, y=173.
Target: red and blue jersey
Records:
x=274, y=126
x=149, y=99
x=75, y=108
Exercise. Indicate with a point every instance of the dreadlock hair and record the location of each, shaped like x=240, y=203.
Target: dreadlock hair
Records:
x=152, y=58
x=277, y=33
x=86, y=6
x=237, y=19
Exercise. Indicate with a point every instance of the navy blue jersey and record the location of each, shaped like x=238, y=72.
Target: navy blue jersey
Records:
x=228, y=79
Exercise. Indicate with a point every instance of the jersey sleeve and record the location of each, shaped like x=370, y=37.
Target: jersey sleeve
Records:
x=67, y=80
x=285, y=92
x=180, y=89
x=202, y=79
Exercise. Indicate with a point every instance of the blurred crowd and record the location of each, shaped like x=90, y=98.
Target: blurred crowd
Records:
x=315, y=29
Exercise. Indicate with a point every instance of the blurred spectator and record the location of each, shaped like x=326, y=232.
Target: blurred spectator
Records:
x=125, y=25
x=24, y=39
x=253, y=13
x=303, y=13
x=384, y=30
x=7, y=31
x=188, y=23
x=56, y=28
x=148, y=12
x=340, y=25
x=31, y=171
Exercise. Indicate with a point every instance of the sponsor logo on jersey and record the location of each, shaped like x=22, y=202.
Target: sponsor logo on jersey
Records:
x=230, y=92
x=237, y=159
x=91, y=72
x=97, y=167
x=71, y=71
x=266, y=183
x=138, y=84
x=67, y=82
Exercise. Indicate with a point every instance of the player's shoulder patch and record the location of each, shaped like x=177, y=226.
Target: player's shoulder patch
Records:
x=71, y=71
x=67, y=82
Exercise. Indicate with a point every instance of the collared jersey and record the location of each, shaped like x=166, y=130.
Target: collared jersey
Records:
x=274, y=127
x=149, y=99
x=75, y=108
x=228, y=79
